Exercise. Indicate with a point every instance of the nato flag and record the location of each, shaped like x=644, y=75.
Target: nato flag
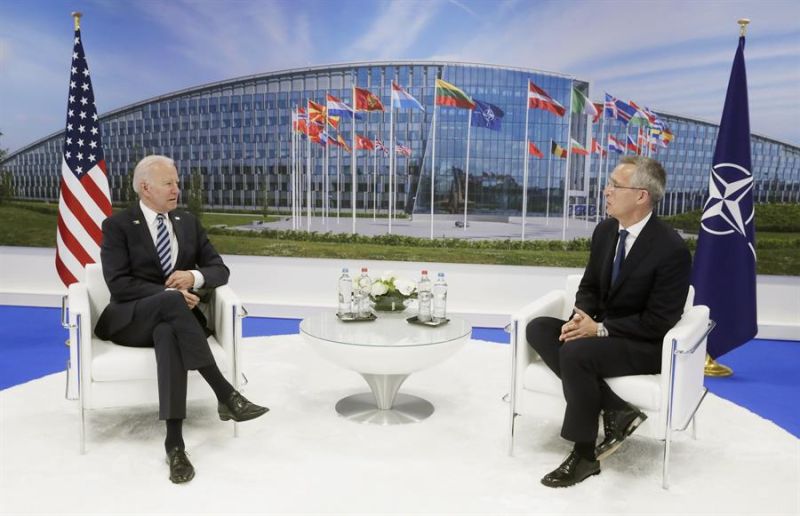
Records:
x=724, y=273
x=486, y=115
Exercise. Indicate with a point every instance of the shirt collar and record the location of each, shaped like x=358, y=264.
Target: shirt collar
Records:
x=150, y=215
x=637, y=228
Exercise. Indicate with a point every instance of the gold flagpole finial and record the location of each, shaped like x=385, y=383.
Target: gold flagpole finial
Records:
x=743, y=26
x=76, y=17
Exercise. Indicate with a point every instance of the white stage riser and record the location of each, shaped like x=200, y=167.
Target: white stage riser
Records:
x=297, y=287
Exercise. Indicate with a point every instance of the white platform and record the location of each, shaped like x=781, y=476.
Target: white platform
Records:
x=295, y=287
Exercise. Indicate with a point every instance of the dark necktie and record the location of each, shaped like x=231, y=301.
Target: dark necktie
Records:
x=620, y=257
x=163, y=246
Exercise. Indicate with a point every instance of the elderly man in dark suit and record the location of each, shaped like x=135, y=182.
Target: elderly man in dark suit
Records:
x=632, y=292
x=155, y=258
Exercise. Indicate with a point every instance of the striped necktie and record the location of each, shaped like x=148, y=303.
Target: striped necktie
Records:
x=164, y=246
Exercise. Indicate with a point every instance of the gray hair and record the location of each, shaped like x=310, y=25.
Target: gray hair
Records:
x=649, y=175
x=142, y=171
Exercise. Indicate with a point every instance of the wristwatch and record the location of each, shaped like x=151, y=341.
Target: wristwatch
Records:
x=601, y=330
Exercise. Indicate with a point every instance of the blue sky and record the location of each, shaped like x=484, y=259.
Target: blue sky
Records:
x=673, y=56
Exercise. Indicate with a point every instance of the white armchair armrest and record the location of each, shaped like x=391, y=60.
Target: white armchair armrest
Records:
x=79, y=323
x=226, y=317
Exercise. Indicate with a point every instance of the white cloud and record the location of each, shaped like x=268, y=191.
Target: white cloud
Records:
x=394, y=31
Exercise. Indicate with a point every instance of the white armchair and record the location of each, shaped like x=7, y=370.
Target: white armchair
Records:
x=670, y=399
x=101, y=374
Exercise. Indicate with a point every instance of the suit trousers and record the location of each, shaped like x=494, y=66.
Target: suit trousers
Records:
x=582, y=364
x=165, y=322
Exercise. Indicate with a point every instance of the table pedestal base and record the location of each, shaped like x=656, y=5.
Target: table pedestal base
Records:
x=406, y=408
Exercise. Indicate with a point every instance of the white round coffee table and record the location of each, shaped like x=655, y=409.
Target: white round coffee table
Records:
x=384, y=352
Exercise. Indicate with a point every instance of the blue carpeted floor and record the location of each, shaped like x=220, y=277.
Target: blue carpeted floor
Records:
x=765, y=379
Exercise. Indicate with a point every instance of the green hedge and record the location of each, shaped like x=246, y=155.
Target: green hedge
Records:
x=774, y=217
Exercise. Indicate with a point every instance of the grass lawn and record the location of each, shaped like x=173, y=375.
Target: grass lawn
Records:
x=34, y=225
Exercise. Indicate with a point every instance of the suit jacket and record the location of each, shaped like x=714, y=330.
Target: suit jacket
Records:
x=650, y=292
x=131, y=267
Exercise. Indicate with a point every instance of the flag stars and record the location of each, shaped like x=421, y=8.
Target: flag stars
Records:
x=69, y=127
x=94, y=130
x=70, y=112
x=77, y=41
x=68, y=154
x=74, y=70
x=84, y=101
x=81, y=128
x=92, y=158
x=86, y=72
x=80, y=144
x=94, y=116
x=79, y=156
x=93, y=144
x=69, y=141
x=71, y=99
x=85, y=86
x=82, y=115
x=79, y=169
x=74, y=55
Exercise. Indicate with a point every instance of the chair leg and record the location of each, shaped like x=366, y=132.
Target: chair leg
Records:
x=665, y=470
x=83, y=429
x=235, y=429
x=694, y=427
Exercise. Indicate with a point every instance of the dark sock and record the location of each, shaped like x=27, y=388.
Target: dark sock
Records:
x=222, y=389
x=585, y=450
x=174, y=435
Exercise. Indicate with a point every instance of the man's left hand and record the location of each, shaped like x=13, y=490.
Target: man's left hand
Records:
x=181, y=280
x=579, y=327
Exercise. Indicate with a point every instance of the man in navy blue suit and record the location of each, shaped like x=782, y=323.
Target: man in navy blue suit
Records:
x=155, y=258
x=632, y=292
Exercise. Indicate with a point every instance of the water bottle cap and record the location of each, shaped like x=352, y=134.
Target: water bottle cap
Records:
x=345, y=269
x=363, y=269
x=441, y=275
x=424, y=271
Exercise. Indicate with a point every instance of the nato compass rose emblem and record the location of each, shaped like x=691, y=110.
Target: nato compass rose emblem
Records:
x=728, y=209
x=488, y=115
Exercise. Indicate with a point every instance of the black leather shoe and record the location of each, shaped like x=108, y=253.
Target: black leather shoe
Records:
x=238, y=408
x=618, y=425
x=573, y=470
x=180, y=469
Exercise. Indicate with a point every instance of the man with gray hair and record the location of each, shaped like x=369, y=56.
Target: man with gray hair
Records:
x=632, y=292
x=154, y=259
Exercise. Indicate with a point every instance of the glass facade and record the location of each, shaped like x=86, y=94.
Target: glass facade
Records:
x=237, y=134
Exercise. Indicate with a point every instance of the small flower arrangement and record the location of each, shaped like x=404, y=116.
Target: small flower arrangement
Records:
x=391, y=291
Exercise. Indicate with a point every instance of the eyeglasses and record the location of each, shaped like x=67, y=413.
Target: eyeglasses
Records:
x=612, y=185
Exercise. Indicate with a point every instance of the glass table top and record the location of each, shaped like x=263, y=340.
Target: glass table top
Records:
x=390, y=329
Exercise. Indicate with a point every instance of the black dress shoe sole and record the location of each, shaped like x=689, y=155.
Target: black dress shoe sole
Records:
x=177, y=479
x=614, y=446
x=569, y=482
x=248, y=417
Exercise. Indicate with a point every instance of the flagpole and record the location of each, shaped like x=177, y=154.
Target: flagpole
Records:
x=433, y=156
x=600, y=166
x=291, y=189
x=374, y=183
x=391, y=155
x=353, y=165
x=466, y=174
x=549, y=167
x=338, y=181
x=566, y=172
x=525, y=167
x=327, y=177
x=627, y=126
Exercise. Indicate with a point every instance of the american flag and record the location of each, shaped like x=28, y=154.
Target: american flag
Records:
x=85, y=200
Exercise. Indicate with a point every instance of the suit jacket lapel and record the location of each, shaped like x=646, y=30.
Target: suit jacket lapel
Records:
x=608, y=258
x=180, y=234
x=640, y=249
x=143, y=232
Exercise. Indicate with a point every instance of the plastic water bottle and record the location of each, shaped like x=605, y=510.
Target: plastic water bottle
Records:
x=440, y=298
x=364, y=289
x=424, y=297
x=345, y=294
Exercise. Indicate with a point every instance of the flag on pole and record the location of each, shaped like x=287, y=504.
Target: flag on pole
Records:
x=557, y=150
x=299, y=119
x=724, y=272
x=364, y=143
x=598, y=106
x=367, y=101
x=449, y=95
x=533, y=150
x=618, y=109
x=342, y=143
x=631, y=145
x=316, y=112
x=403, y=99
x=577, y=148
x=539, y=99
x=597, y=148
x=582, y=106
x=84, y=200
x=486, y=115
x=381, y=147
x=338, y=108
x=403, y=150
x=615, y=145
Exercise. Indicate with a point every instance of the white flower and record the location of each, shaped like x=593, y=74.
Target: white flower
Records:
x=387, y=276
x=379, y=289
x=404, y=286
